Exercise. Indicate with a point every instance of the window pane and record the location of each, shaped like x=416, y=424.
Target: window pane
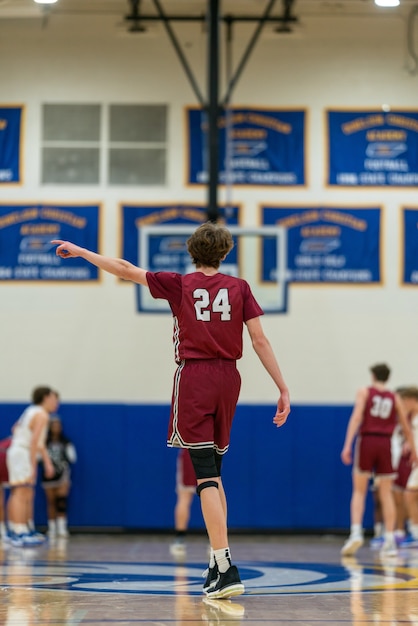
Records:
x=136, y=123
x=72, y=166
x=71, y=122
x=130, y=166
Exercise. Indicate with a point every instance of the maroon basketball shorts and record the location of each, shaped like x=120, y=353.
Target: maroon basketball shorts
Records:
x=404, y=470
x=373, y=455
x=186, y=477
x=4, y=474
x=205, y=395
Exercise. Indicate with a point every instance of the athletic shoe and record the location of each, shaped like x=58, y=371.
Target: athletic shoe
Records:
x=353, y=543
x=33, y=538
x=5, y=539
x=219, y=610
x=408, y=542
x=178, y=549
x=36, y=535
x=377, y=542
x=389, y=548
x=211, y=574
x=17, y=541
x=228, y=584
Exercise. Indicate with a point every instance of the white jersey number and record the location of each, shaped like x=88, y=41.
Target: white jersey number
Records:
x=203, y=305
x=382, y=407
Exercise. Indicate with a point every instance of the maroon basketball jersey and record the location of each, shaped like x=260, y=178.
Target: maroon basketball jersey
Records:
x=4, y=474
x=379, y=417
x=209, y=312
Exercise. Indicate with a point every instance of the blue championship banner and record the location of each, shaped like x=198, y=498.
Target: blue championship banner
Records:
x=373, y=148
x=26, y=251
x=167, y=251
x=256, y=147
x=326, y=245
x=10, y=144
x=410, y=247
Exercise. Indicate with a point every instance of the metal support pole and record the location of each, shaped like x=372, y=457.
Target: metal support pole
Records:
x=136, y=26
x=213, y=109
x=228, y=122
x=200, y=18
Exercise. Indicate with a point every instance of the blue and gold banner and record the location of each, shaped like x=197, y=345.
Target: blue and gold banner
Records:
x=26, y=231
x=166, y=251
x=10, y=144
x=372, y=148
x=256, y=147
x=326, y=245
x=410, y=246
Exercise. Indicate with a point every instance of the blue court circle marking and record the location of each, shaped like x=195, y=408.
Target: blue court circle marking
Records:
x=171, y=579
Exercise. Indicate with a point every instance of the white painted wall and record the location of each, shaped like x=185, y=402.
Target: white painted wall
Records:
x=88, y=341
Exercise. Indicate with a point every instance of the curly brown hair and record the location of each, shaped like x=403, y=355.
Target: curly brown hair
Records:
x=209, y=244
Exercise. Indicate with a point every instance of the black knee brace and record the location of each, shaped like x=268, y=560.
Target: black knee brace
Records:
x=207, y=483
x=61, y=504
x=218, y=462
x=204, y=462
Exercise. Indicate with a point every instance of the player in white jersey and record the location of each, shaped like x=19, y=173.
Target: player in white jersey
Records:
x=28, y=443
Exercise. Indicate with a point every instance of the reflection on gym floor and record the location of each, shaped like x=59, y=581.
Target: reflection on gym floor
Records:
x=132, y=579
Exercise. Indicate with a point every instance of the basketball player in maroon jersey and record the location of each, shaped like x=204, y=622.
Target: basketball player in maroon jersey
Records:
x=209, y=310
x=4, y=479
x=374, y=417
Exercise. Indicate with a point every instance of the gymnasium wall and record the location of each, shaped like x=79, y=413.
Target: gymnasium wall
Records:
x=113, y=367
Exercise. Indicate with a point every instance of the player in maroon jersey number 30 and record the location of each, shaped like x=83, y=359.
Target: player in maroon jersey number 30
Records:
x=374, y=418
x=209, y=311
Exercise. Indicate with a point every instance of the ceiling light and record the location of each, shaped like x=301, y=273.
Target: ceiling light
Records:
x=387, y=3
x=45, y=1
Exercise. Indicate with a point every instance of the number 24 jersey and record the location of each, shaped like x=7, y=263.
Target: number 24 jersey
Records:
x=209, y=312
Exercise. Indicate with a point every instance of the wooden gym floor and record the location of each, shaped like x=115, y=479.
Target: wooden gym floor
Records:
x=127, y=580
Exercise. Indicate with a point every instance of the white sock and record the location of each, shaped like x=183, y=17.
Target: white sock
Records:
x=211, y=558
x=399, y=533
x=389, y=536
x=52, y=526
x=223, y=559
x=378, y=529
x=21, y=529
x=31, y=524
x=61, y=525
x=3, y=529
x=414, y=530
x=356, y=529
